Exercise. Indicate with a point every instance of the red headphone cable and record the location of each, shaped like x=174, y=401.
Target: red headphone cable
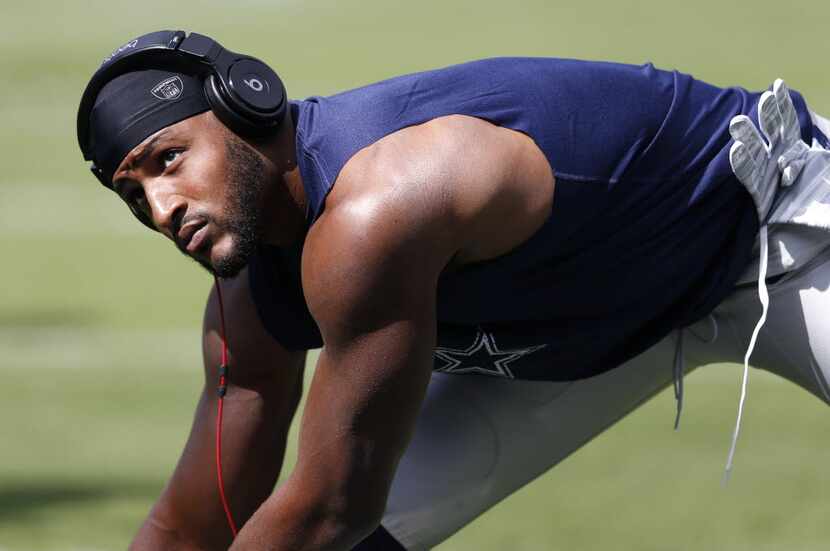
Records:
x=222, y=390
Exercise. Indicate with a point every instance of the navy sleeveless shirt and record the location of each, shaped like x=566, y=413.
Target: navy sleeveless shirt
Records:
x=648, y=232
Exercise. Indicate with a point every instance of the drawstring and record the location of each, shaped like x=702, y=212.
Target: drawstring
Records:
x=715, y=331
x=680, y=363
x=763, y=295
x=678, y=376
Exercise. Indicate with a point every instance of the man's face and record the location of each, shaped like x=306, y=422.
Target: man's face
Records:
x=202, y=187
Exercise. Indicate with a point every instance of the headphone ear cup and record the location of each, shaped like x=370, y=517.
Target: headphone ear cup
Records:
x=224, y=111
x=256, y=89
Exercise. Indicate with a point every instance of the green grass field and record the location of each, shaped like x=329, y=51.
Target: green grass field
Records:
x=99, y=319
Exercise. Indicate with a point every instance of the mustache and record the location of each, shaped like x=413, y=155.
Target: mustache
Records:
x=181, y=220
x=198, y=218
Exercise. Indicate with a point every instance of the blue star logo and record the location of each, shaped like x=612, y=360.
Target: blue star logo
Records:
x=482, y=356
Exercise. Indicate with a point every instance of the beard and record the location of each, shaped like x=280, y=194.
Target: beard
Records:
x=245, y=188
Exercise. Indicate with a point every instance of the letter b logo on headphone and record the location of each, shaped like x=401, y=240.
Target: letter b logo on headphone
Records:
x=254, y=84
x=251, y=82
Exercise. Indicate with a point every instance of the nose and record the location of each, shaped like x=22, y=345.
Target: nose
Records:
x=166, y=206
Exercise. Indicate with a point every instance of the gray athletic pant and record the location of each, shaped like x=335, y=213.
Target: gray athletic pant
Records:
x=479, y=439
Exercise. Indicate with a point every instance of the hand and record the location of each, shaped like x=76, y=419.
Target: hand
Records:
x=759, y=164
x=803, y=169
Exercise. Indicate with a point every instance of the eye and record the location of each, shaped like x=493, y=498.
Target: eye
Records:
x=169, y=156
x=136, y=199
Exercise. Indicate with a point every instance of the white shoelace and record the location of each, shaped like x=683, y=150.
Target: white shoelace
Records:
x=763, y=295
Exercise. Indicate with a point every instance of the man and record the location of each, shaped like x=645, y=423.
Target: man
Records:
x=547, y=223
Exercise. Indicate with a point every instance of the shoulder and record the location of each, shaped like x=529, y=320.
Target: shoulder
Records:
x=256, y=354
x=433, y=173
x=387, y=231
x=405, y=207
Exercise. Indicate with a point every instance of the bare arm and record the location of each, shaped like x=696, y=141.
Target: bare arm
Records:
x=402, y=211
x=265, y=386
x=370, y=276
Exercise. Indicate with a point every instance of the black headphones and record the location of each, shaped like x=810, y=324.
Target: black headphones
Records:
x=243, y=92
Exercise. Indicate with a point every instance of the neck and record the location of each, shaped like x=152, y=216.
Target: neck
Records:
x=286, y=204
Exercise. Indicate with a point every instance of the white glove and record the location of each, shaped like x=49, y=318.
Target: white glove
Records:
x=786, y=161
x=756, y=163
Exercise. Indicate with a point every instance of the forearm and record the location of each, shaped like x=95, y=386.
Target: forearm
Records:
x=156, y=535
x=337, y=493
x=189, y=513
x=291, y=521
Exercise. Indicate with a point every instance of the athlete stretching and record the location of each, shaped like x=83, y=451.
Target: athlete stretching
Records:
x=547, y=222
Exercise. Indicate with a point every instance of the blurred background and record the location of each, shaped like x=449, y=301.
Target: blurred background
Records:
x=99, y=318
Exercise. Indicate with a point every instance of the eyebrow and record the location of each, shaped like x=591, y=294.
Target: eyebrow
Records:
x=146, y=151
